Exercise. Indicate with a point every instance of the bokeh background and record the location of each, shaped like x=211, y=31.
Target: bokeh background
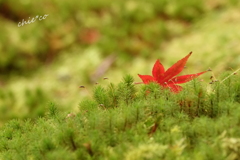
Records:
x=81, y=43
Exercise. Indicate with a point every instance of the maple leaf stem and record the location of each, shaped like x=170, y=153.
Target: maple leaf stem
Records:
x=230, y=75
x=138, y=83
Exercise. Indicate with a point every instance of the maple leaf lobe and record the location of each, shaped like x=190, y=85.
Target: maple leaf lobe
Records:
x=158, y=70
x=176, y=68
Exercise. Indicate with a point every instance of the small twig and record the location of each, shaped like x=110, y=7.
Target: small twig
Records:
x=103, y=67
x=230, y=75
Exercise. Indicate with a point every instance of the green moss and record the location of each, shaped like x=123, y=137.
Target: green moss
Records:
x=134, y=123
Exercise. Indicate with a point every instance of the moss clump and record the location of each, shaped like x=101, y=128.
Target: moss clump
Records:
x=130, y=121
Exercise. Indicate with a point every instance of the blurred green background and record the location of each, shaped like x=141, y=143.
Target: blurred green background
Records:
x=81, y=42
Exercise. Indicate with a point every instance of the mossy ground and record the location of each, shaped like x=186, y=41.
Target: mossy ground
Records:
x=134, y=122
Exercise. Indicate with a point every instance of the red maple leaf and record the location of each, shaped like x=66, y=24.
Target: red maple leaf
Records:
x=167, y=78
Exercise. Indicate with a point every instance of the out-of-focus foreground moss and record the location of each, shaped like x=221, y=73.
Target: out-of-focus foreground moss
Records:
x=82, y=41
